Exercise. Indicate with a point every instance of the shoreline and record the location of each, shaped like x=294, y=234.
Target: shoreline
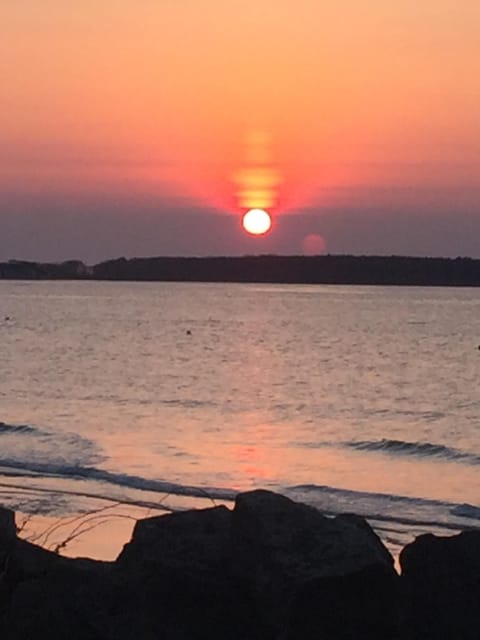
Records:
x=105, y=525
x=266, y=269
x=97, y=535
x=268, y=568
x=113, y=514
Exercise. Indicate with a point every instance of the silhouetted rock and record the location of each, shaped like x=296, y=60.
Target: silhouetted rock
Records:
x=363, y=605
x=65, y=600
x=190, y=541
x=271, y=569
x=178, y=568
x=8, y=536
x=8, y=532
x=28, y=561
x=441, y=578
x=306, y=572
x=45, y=595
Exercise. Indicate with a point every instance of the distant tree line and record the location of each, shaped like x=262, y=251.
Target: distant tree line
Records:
x=27, y=270
x=328, y=269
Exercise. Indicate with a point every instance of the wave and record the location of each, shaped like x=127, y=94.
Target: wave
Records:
x=188, y=404
x=424, y=416
x=118, y=479
x=466, y=511
x=389, y=512
x=65, y=490
x=16, y=428
x=423, y=449
x=62, y=490
x=26, y=445
x=63, y=464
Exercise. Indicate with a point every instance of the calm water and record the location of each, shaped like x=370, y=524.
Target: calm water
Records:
x=362, y=399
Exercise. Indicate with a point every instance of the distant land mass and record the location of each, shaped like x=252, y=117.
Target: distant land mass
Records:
x=322, y=269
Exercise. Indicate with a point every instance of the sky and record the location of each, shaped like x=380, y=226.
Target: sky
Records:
x=149, y=127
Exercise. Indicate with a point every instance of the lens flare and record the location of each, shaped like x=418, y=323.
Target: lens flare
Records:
x=257, y=181
x=314, y=244
x=257, y=222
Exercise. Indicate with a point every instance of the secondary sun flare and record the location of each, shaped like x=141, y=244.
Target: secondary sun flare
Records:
x=257, y=222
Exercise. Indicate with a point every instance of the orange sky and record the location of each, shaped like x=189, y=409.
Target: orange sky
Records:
x=161, y=97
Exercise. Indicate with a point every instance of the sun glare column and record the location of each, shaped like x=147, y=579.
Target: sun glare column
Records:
x=257, y=184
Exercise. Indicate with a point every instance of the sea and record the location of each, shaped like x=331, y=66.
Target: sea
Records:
x=169, y=395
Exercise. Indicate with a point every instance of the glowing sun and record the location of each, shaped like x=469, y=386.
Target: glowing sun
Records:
x=256, y=222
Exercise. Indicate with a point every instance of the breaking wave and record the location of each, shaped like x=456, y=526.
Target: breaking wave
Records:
x=423, y=449
x=125, y=480
x=31, y=448
x=16, y=428
x=35, y=462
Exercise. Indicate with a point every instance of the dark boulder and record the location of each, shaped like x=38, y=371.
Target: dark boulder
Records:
x=44, y=595
x=359, y=606
x=8, y=532
x=271, y=569
x=63, y=601
x=178, y=569
x=313, y=576
x=8, y=536
x=189, y=541
x=441, y=582
x=171, y=582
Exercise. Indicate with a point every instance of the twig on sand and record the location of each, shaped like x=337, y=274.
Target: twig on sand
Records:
x=85, y=522
x=86, y=494
x=21, y=526
x=85, y=527
x=58, y=524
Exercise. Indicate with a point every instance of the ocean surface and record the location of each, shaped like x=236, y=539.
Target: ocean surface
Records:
x=352, y=399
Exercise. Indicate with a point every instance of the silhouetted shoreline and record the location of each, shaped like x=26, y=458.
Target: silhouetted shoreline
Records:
x=269, y=568
x=328, y=269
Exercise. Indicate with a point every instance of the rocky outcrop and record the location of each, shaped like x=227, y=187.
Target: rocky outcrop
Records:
x=271, y=569
x=191, y=541
x=441, y=579
x=269, y=557
x=292, y=559
x=8, y=532
x=178, y=574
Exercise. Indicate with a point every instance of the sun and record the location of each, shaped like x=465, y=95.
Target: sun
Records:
x=257, y=222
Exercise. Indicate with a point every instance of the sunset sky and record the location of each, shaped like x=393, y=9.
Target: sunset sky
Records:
x=148, y=127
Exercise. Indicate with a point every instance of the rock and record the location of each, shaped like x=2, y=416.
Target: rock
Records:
x=272, y=569
x=310, y=574
x=169, y=582
x=8, y=531
x=190, y=541
x=441, y=581
x=45, y=595
x=65, y=602
x=8, y=535
x=29, y=561
x=362, y=606
x=178, y=568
